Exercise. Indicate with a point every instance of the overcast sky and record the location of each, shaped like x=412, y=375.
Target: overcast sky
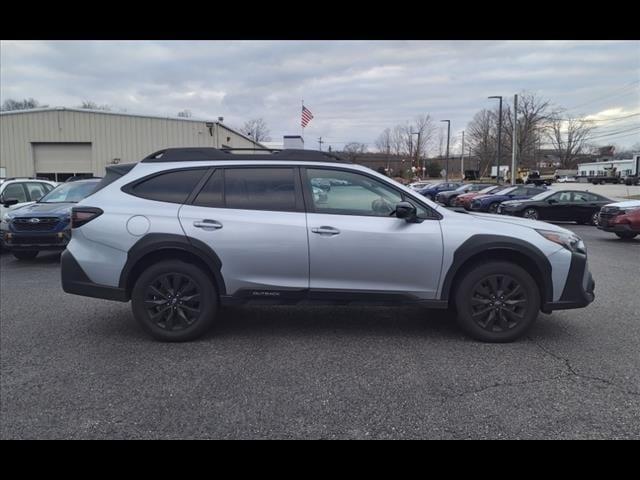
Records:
x=354, y=88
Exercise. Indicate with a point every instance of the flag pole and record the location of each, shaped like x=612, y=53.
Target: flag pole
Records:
x=301, y=123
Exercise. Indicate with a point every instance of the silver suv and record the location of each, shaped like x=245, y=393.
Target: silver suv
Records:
x=186, y=230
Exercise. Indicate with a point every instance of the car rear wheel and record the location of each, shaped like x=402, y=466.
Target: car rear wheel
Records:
x=25, y=254
x=493, y=208
x=595, y=219
x=531, y=213
x=174, y=301
x=626, y=235
x=497, y=302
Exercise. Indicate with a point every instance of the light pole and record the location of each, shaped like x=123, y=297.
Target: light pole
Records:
x=499, y=138
x=446, y=168
x=462, y=159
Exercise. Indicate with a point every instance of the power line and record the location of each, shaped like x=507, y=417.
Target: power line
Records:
x=615, y=93
x=613, y=134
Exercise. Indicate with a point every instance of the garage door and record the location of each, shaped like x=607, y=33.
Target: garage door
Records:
x=62, y=157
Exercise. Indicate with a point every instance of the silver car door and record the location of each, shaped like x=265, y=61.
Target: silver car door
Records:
x=254, y=220
x=355, y=244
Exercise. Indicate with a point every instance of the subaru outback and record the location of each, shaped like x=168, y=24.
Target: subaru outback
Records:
x=186, y=230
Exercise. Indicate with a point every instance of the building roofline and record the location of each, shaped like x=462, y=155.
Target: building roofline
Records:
x=126, y=114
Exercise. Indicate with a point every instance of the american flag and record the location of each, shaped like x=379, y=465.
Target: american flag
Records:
x=306, y=116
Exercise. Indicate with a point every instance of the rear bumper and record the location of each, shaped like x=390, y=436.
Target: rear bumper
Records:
x=579, y=289
x=75, y=281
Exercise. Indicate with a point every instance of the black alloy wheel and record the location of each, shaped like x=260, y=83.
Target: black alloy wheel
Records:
x=175, y=301
x=493, y=208
x=595, y=219
x=498, y=303
x=172, y=301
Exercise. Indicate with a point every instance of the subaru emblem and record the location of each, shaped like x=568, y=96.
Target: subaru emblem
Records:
x=34, y=220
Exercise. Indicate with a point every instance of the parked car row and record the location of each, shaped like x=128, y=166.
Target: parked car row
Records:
x=539, y=203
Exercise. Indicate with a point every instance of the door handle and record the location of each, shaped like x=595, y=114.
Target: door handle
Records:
x=207, y=224
x=326, y=231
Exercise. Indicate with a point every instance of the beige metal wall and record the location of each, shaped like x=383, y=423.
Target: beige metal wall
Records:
x=127, y=137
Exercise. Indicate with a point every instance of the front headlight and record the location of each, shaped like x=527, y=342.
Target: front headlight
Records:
x=570, y=241
x=624, y=211
x=5, y=218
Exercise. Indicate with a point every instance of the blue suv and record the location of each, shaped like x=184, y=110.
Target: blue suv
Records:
x=45, y=224
x=430, y=191
x=489, y=203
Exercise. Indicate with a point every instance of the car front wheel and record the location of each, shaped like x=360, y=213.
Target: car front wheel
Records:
x=626, y=235
x=174, y=301
x=497, y=302
x=595, y=219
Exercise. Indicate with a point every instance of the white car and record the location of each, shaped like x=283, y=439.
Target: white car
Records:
x=566, y=179
x=24, y=190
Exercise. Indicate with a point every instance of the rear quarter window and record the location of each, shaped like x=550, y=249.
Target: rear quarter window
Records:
x=172, y=186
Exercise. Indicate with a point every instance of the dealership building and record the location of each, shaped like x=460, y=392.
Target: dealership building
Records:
x=58, y=143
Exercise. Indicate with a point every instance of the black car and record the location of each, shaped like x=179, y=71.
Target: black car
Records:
x=564, y=205
x=446, y=198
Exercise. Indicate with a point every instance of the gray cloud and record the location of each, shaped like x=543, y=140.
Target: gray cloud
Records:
x=354, y=88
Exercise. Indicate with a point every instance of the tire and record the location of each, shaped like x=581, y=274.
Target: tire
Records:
x=493, y=208
x=531, y=214
x=178, y=318
x=477, y=314
x=25, y=254
x=594, y=219
x=626, y=235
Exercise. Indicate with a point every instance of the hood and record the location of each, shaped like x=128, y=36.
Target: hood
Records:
x=625, y=204
x=37, y=209
x=524, y=222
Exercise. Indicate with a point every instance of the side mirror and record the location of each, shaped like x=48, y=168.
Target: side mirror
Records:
x=7, y=202
x=551, y=201
x=406, y=210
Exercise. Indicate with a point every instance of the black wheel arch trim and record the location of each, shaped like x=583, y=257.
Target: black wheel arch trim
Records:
x=155, y=242
x=483, y=243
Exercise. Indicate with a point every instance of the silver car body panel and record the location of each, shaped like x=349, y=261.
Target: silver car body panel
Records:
x=261, y=249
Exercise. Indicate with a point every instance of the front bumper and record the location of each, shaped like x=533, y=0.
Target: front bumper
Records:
x=35, y=240
x=579, y=288
x=618, y=228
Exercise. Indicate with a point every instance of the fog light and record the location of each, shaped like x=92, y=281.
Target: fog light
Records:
x=7, y=236
x=60, y=235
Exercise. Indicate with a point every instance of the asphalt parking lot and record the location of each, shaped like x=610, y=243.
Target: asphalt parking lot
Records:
x=74, y=367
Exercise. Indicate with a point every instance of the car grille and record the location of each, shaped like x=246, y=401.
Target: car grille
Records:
x=29, y=224
x=35, y=240
x=607, y=214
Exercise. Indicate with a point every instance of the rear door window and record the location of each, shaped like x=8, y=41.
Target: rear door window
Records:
x=261, y=189
x=15, y=191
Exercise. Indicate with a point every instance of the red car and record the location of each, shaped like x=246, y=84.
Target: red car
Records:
x=465, y=199
x=622, y=218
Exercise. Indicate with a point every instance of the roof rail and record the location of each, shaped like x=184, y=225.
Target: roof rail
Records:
x=206, y=153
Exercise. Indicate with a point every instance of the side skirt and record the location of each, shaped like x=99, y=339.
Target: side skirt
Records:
x=326, y=297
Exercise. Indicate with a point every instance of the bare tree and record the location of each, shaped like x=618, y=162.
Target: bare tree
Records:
x=353, y=149
x=383, y=142
x=89, y=105
x=569, y=138
x=533, y=115
x=423, y=125
x=482, y=137
x=397, y=140
x=257, y=129
x=28, y=103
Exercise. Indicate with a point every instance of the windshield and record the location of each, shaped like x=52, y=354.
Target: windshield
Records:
x=69, y=192
x=462, y=188
x=487, y=189
x=543, y=195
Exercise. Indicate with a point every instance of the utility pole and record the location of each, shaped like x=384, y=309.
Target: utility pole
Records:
x=462, y=158
x=514, y=140
x=499, y=138
x=446, y=168
x=417, y=161
x=320, y=142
